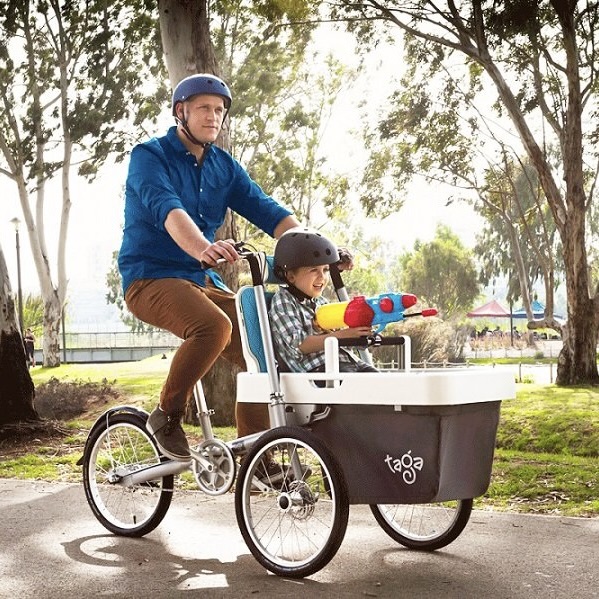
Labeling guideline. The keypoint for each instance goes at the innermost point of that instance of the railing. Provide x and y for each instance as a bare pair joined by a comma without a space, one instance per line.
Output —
112,347
120,339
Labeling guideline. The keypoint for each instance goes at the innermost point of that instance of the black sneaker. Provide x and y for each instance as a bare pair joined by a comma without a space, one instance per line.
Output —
169,435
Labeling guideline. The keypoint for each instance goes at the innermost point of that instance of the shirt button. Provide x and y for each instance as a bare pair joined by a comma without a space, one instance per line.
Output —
201,190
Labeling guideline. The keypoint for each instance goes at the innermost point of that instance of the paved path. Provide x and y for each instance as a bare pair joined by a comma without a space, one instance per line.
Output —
51,546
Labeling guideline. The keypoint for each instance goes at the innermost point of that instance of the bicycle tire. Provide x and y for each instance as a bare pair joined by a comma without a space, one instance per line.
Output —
122,444
424,527
294,527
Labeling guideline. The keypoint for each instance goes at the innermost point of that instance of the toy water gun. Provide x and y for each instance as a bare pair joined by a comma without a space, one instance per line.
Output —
363,312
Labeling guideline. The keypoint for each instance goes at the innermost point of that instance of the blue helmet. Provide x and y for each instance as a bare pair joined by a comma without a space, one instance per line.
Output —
201,84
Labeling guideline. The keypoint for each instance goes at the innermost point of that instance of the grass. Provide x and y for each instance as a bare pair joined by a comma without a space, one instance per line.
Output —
547,457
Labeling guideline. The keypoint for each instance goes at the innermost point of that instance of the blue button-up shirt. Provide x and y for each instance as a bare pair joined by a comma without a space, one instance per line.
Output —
164,175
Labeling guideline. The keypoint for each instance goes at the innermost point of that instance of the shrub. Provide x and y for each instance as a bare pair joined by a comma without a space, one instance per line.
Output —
59,400
433,341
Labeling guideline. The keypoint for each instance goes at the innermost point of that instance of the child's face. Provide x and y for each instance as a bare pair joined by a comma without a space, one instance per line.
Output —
310,279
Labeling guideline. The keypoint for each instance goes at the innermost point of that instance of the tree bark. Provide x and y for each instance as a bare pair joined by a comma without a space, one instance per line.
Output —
16,391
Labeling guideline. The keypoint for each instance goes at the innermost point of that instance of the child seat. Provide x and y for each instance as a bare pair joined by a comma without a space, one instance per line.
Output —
249,328
254,353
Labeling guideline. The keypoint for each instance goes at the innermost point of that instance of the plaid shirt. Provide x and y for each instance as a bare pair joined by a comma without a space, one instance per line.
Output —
291,321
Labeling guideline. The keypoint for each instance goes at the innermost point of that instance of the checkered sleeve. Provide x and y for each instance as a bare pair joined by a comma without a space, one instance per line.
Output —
291,322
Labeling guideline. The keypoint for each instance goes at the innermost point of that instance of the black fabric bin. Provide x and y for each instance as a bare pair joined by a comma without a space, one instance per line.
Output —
418,454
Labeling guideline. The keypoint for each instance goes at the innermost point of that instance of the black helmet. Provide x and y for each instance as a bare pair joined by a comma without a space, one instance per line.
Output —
301,246
201,84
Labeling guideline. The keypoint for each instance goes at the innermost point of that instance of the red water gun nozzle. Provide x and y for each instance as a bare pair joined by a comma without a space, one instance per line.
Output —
408,300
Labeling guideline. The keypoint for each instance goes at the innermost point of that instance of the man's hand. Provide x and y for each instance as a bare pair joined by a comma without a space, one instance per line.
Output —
219,251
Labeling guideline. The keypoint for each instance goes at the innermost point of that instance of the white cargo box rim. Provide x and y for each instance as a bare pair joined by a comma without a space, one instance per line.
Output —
424,387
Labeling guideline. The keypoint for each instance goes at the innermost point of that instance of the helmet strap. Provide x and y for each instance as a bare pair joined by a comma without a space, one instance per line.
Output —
190,136
281,274
298,293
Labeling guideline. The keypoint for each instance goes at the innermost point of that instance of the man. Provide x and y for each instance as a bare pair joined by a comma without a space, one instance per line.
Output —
178,189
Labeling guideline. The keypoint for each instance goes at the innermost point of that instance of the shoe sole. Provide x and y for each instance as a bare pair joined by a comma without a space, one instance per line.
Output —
165,452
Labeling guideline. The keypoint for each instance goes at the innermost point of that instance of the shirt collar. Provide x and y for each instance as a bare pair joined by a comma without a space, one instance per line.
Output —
175,142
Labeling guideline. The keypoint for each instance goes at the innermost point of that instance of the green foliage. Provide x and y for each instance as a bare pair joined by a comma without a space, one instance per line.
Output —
33,313
542,483
73,75
441,273
372,257
59,400
280,114
519,236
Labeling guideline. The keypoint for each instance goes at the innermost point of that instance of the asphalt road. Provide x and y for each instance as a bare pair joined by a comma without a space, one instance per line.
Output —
52,546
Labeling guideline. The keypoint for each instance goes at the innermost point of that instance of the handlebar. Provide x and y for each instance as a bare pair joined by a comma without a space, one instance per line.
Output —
239,248
371,341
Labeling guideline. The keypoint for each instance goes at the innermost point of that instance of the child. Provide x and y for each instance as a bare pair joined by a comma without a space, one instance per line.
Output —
302,259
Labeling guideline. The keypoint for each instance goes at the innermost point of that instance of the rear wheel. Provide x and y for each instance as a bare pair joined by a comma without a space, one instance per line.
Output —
292,514
118,447
424,526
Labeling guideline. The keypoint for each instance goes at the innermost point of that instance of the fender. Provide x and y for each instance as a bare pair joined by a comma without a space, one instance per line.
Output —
104,418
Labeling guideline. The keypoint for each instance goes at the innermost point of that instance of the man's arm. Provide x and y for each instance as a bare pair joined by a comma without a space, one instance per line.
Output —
284,225
190,239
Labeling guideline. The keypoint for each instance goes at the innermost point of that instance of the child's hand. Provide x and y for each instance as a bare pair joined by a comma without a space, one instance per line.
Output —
353,332
346,259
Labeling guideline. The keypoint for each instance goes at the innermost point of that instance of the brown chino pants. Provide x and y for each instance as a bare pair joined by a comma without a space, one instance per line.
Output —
205,318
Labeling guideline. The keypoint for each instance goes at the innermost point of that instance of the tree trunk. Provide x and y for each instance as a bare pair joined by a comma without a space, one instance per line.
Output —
17,390
577,362
188,49
52,320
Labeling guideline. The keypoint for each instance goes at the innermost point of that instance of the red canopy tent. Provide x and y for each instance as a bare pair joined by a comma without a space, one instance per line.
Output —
490,310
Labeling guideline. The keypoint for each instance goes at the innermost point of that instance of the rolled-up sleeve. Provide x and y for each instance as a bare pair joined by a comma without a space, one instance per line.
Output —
150,181
250,201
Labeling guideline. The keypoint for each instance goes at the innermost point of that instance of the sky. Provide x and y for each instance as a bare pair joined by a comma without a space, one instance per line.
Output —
97,207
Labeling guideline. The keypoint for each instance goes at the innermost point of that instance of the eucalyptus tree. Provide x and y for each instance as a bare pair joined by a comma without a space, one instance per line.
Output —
72,94
442,273
539,60
519,237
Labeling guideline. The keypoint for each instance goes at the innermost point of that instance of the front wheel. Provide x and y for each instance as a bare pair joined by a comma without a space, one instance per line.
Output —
119,446
291,502
424,526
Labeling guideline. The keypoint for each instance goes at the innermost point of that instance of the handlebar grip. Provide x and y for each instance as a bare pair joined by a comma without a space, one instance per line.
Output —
239,248
371,341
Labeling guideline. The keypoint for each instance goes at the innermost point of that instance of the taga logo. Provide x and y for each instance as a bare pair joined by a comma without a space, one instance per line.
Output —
407,465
